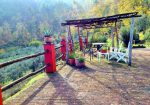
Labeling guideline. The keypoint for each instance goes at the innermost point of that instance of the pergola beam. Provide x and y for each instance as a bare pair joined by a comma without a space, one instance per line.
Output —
101,20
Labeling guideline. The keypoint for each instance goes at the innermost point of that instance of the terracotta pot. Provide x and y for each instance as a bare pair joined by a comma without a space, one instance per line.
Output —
82,64
103,51
72,62
77,62
63,37
48,39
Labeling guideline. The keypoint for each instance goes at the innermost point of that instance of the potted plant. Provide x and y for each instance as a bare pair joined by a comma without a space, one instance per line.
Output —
77,62
77,58
63,37
72,59
104,49
48,37
81,61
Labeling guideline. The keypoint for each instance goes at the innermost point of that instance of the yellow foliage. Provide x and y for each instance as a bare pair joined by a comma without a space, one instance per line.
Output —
2,51
141,36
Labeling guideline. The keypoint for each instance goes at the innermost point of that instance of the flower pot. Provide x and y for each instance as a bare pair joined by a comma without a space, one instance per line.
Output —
103,51
72,62
82,64
63,37
76,62
48,39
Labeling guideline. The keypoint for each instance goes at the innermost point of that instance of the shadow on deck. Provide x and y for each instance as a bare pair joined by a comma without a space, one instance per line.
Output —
97,84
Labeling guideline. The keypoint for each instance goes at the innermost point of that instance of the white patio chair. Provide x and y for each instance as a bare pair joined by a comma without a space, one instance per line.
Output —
113,53
123,56
99,55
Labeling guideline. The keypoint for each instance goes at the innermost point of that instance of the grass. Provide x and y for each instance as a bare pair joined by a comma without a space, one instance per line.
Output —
146,44
25,85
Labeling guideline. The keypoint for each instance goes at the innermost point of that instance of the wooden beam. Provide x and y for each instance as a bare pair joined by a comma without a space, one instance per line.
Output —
131,41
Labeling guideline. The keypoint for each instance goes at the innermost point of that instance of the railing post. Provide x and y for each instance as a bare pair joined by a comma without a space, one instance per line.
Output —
1,100
63,48
50,55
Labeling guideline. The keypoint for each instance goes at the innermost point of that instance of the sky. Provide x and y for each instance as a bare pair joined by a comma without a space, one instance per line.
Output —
82,2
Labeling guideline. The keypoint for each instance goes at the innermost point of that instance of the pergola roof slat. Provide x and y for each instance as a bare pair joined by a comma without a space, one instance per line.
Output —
102,20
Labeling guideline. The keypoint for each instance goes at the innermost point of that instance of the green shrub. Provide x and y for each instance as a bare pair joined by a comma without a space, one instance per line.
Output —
81,60
97,37
125,36
2,51
72,56
109,42
103,39
147,35
143,22
104,48
76,46
35,43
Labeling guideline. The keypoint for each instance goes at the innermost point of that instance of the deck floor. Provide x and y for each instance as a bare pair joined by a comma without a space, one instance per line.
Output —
100,83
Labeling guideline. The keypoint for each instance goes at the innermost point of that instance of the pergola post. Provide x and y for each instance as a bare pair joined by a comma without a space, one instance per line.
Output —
63,48
86,40
70,40
116,31
67,46
79,35
80,40
131,41
112,34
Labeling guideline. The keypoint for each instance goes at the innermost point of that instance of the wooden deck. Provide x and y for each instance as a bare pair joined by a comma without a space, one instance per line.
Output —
104,83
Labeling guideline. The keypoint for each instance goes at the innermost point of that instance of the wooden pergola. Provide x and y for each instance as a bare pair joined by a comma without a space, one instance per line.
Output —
103,22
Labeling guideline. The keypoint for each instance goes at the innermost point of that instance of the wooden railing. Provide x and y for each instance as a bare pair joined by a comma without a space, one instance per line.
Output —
20,59
28,75
23,58
21,79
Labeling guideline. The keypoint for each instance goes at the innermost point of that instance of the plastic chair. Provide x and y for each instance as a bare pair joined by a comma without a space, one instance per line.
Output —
123,56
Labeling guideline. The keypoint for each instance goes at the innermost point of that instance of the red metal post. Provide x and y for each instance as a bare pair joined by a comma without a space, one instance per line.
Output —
50,57
70,41
81,43
63,48
1,100
70,48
